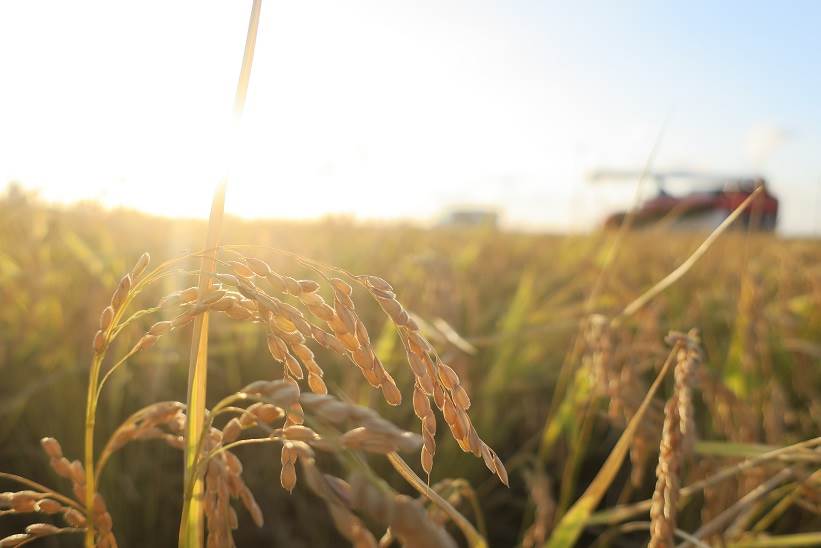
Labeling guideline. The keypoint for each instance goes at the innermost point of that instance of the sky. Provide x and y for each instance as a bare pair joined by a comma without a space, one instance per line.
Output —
390,109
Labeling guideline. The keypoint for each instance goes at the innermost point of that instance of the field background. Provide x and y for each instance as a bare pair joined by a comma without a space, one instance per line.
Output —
517,299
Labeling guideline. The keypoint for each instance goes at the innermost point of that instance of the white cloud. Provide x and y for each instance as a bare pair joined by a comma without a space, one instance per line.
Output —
763,141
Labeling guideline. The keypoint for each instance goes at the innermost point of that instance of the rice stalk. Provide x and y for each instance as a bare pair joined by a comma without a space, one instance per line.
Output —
191,518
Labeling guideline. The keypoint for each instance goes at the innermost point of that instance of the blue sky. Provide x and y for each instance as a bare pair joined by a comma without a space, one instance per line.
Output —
391,109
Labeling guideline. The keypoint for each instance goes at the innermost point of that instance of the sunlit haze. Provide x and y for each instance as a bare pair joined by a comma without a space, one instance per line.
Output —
399,110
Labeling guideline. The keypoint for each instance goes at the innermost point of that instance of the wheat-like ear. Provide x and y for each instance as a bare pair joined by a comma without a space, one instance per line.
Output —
666,494
677,441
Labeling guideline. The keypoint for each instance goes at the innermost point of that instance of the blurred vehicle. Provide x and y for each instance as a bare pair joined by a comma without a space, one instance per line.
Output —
469,217
695,201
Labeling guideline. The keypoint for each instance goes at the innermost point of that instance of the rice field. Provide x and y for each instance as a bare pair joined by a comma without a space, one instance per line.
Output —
595,419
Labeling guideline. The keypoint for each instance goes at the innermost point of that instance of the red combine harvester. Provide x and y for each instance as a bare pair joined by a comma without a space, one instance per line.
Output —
696,201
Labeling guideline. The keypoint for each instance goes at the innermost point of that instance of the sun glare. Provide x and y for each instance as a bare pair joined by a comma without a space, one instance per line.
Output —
374,111
333,125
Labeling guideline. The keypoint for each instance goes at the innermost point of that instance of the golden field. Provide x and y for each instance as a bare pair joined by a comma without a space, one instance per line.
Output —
512,314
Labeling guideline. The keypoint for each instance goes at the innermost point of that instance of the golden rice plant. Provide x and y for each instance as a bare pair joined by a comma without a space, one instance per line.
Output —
294,315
